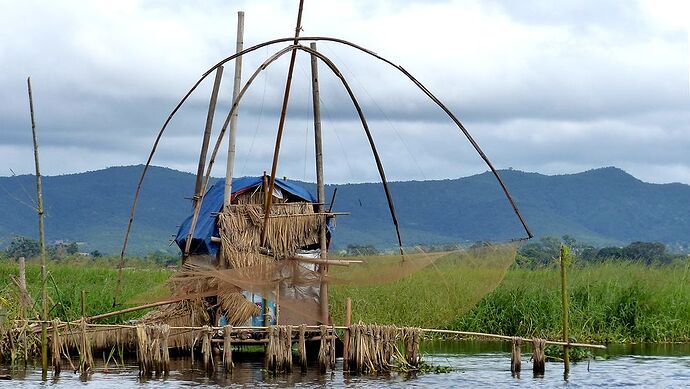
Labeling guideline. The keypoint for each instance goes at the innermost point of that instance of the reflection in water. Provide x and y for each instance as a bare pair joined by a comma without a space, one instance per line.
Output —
475,364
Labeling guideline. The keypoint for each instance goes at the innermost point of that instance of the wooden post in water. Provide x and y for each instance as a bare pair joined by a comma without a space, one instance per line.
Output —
346,340
41,242
321,195
23,303
565,261
232,136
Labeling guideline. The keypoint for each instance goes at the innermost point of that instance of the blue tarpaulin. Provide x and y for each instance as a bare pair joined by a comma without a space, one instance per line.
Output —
206,225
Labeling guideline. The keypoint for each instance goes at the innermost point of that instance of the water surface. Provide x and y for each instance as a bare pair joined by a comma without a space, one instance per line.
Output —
475,364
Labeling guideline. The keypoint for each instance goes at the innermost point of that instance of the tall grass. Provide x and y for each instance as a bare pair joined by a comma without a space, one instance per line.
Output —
66,281
611,301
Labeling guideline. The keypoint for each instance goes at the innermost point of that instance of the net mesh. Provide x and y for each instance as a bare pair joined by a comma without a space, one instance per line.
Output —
422,287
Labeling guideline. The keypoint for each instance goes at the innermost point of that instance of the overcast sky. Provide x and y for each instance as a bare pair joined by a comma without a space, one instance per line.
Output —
550,87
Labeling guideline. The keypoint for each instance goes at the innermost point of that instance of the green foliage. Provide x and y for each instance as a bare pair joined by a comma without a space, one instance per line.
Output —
21,246
353,249
546,251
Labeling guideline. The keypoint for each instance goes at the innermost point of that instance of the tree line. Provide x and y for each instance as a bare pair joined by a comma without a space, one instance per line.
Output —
545,251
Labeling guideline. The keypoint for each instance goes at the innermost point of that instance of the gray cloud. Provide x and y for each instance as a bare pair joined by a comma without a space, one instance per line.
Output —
542,88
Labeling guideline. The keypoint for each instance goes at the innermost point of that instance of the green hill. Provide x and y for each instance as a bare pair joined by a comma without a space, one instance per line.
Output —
601,206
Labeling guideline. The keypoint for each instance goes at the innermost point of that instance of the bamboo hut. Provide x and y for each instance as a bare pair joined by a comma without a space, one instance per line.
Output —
285,266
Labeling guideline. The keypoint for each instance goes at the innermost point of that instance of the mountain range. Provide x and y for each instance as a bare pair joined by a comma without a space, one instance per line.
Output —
605,206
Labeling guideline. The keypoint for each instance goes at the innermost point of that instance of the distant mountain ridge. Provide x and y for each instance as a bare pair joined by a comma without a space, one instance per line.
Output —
602,206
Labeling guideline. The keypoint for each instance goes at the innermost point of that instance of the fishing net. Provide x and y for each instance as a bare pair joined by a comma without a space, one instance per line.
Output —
418,288
281,279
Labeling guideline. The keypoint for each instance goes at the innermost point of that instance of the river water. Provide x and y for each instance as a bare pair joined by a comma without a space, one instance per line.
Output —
474,364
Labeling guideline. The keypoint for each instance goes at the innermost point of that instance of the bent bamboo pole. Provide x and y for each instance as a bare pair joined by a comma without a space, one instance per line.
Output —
299,39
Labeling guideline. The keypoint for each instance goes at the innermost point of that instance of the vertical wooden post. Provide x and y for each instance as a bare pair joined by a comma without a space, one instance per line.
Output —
264,302
41,242
565,261
83,303
278,305
23,303
321,196
346,341
264,310
232,136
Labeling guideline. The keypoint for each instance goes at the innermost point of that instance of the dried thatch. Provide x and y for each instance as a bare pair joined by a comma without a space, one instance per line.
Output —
190,313
290,227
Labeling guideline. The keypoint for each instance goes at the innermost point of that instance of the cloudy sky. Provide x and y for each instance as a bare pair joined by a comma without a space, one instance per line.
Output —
550,87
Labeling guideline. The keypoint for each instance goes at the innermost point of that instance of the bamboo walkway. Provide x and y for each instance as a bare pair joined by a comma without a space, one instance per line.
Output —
368,349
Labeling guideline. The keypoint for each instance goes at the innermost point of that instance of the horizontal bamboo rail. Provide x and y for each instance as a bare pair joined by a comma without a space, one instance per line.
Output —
506,337
316,327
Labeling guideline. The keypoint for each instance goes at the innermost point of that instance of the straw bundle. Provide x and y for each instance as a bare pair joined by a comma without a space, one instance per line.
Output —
326,349
235,307
206,347
373,348
227,348
152,349
143,357
84,349
279,349
189,313
538,358
56,347
302,348
412,337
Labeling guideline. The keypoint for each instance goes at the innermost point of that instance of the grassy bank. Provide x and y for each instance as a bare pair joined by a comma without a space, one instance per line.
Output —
611,301
69,279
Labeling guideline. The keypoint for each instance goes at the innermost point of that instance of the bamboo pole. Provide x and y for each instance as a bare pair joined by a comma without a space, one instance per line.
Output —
281,124
565,261
151,305
41,241
200,187
232,137
23,302
207,135
83,302
510,338
321,196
